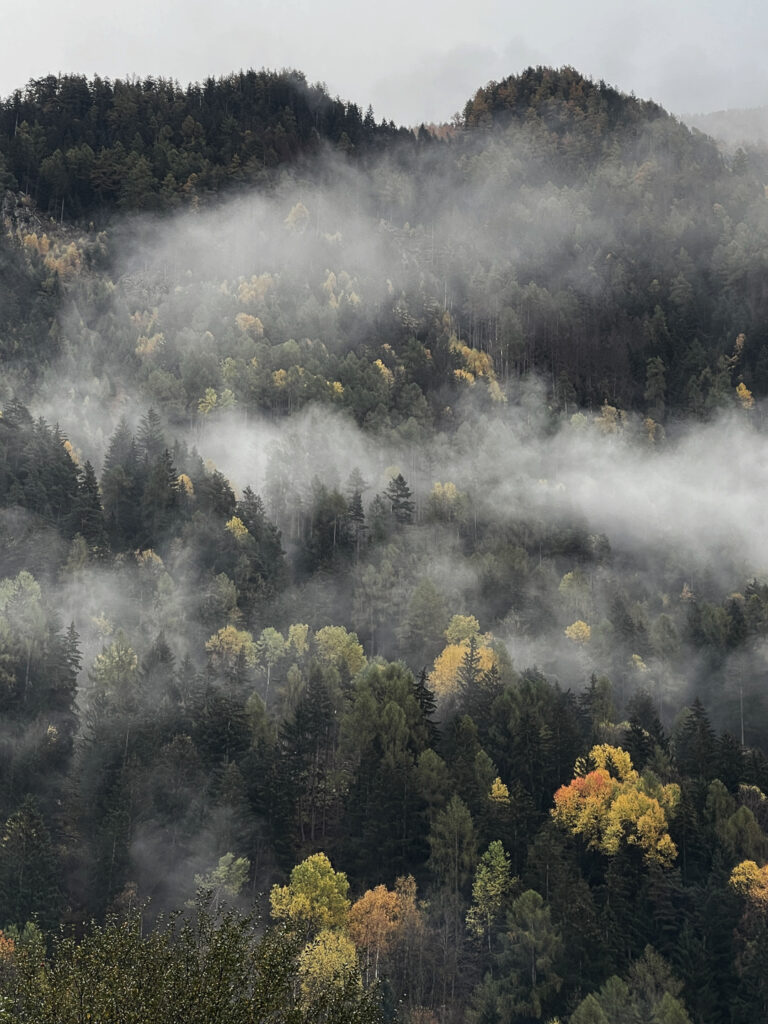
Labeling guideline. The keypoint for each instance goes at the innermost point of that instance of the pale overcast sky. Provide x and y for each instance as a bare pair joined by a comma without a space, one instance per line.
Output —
414,60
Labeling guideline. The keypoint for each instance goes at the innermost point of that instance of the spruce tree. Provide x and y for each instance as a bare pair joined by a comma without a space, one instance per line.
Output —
398,494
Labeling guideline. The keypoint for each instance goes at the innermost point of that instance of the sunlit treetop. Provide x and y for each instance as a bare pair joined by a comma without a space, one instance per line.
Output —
315,897
610,805
751,881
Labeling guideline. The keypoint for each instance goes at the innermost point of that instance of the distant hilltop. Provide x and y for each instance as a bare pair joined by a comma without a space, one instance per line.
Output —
83,148
733,128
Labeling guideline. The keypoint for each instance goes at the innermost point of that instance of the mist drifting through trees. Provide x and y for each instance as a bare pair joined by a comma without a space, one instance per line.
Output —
383,595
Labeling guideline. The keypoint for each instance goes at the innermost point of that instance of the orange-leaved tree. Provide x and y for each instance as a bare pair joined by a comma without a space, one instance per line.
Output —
373,921
609,804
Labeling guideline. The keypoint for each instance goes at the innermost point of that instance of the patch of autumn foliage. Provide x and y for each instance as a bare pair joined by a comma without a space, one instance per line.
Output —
608,803
751,881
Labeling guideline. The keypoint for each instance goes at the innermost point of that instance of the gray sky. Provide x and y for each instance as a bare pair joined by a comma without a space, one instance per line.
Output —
414,60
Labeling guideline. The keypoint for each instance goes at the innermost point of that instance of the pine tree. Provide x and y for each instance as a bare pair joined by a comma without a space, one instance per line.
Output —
469,670
88,514
695,744
398,494
356,519
427,706
527,978
121,487
453,845
150,441
29,885
159,501
61,673
157,670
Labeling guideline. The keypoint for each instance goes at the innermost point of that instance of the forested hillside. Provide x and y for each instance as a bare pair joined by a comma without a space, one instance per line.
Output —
734,128
383,587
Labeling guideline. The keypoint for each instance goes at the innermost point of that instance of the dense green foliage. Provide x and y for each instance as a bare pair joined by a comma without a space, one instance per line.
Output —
207,970
407,668
83,147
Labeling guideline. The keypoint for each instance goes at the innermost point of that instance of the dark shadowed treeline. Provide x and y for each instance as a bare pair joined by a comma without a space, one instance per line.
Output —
84,148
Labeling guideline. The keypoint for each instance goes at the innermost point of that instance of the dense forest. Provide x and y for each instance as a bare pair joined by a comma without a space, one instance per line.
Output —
383,587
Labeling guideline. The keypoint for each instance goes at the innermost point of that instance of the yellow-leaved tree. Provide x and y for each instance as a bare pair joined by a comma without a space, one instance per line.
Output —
579,632
327,967
609,804
228,647
744,396
314,899
446,503
751,881
237,528
298,639
338,648
314,907
467,654
298,218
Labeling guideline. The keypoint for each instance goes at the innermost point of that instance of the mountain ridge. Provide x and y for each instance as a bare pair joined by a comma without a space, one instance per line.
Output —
86,148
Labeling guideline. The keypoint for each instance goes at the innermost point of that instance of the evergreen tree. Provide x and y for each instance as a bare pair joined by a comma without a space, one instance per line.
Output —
88,514
159,500
427,706
469,670
150,442
356,522
695,744
121,488
398,494
29,884
526,979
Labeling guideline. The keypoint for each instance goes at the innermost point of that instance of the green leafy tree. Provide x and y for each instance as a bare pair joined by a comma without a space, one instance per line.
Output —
492,886
224,882
340,649
424,623
270,648
115,671
453,845
314,899
650,992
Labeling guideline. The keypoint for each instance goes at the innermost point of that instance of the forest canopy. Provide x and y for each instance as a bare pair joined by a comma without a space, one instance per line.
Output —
383,597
